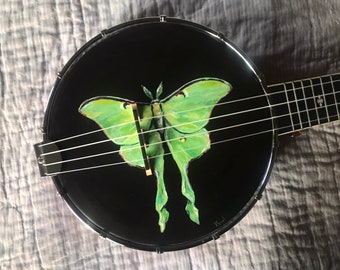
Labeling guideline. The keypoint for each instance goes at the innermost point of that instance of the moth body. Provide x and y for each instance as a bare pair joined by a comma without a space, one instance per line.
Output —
158,115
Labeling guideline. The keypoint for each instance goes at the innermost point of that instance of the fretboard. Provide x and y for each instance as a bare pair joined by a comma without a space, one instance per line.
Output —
305,103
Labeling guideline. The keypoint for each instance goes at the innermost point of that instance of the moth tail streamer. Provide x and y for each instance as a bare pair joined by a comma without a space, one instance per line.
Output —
188,193
192,212
161,200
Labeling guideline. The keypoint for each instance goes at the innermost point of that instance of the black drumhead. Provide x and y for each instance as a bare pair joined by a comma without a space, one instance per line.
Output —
118,201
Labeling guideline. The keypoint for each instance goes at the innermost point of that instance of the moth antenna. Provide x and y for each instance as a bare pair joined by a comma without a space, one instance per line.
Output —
159,90
147,92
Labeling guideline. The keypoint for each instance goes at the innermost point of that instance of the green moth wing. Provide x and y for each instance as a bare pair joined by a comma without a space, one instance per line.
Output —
115,117
187,112
189,108
132,154
184,148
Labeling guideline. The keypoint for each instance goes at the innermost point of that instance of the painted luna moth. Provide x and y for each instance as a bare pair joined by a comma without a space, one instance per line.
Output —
178,120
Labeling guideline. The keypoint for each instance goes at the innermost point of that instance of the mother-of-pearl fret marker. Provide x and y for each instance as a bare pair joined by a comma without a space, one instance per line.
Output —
320,101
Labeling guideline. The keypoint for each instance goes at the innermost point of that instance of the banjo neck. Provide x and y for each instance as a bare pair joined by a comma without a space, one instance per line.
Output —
306,103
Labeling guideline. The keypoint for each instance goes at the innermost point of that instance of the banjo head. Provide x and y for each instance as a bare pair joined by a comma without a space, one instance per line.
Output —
116,199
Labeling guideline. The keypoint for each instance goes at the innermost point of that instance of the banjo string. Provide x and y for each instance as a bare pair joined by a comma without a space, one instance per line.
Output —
169,153
150,118
176,126
153,130
156,143
202,107
193,134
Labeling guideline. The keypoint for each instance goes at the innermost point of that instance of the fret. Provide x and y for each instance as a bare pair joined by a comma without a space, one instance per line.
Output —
293,106
325,104
301,104
311,103
280,107
305,103
336,101
330,98
319,97
336,88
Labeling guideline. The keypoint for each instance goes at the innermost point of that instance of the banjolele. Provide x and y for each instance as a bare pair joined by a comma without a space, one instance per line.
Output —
160,134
